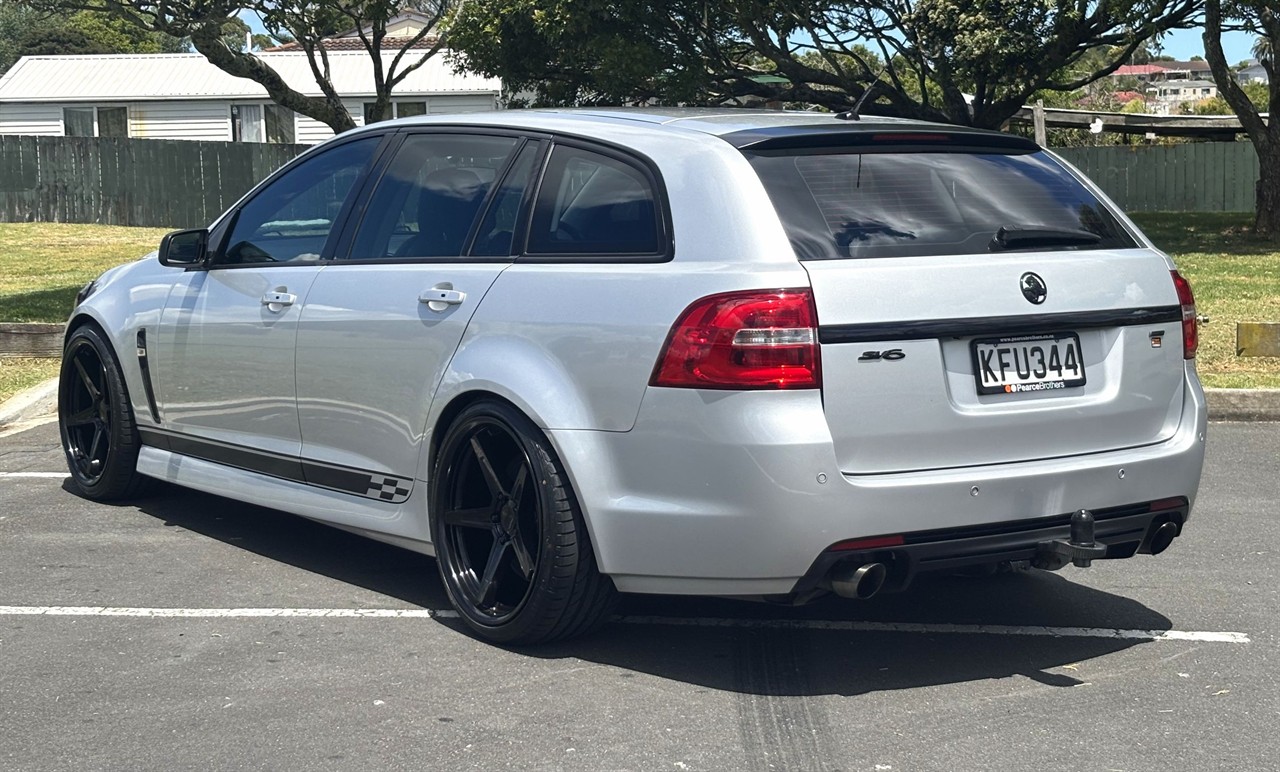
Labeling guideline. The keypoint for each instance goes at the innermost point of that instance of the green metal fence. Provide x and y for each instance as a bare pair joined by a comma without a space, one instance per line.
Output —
172,184
1191,177
159,183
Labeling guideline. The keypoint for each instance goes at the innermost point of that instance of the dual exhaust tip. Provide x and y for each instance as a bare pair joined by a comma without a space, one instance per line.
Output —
862,582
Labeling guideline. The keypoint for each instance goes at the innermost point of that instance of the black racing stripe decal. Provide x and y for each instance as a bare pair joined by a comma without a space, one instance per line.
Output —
145,367
248,459
373,485
996,325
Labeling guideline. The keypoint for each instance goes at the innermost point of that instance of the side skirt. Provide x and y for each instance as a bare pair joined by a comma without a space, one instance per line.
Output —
357,482
404,525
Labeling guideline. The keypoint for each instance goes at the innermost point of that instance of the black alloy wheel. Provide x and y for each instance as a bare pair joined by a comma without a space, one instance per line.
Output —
95,420
510,542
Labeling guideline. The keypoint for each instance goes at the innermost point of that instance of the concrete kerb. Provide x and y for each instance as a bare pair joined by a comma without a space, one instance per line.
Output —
31,406
40,403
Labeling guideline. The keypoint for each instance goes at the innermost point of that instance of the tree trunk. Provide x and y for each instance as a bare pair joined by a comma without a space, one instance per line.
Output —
1266,220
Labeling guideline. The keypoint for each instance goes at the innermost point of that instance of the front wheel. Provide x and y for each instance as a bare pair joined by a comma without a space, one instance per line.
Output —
95,420
510,540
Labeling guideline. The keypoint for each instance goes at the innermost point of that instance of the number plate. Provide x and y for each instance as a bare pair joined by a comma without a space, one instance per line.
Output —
1028,363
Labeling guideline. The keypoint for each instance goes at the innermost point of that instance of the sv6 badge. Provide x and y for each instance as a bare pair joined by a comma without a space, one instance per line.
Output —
888,355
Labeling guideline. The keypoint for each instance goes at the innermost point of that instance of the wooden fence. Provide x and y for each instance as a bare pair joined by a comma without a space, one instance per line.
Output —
172,184
152,182
1191,177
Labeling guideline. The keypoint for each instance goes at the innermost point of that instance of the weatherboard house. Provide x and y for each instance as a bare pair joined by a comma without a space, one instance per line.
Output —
183,96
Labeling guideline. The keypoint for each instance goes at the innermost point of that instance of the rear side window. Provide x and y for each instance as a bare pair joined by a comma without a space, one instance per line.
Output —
593,204
430,196
839,204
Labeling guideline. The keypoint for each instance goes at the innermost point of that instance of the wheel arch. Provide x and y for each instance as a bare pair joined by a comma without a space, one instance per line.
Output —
444,418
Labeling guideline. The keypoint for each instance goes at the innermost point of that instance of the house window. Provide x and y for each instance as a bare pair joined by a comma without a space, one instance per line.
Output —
95,121
262,123
398,110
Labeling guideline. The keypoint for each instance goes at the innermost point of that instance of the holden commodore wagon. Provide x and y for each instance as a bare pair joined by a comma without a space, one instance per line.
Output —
575,353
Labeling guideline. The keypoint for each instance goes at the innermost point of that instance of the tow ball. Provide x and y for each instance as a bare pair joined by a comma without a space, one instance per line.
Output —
1079,549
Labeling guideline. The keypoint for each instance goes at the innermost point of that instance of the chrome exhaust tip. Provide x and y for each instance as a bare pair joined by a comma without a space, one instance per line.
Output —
861,583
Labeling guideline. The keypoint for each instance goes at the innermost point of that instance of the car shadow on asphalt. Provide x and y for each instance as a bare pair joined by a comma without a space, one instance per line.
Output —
739,646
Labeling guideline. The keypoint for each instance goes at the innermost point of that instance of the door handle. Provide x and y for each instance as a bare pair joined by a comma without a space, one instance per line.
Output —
277,300
440,298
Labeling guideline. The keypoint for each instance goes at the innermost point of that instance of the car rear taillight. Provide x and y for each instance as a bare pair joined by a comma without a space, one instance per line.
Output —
763,339
1190,334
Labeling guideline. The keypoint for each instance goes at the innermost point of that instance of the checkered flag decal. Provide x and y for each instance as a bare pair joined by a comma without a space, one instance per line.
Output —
391,489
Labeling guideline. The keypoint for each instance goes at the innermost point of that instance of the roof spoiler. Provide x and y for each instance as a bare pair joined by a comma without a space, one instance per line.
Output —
870,135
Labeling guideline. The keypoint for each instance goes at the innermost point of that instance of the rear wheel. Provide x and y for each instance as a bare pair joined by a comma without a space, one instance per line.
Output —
510,540
96,422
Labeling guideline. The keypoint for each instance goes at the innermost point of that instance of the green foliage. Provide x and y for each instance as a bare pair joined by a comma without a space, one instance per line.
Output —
28,32
962,61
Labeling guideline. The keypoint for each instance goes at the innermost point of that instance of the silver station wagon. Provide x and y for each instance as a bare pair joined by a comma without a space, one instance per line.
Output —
716,352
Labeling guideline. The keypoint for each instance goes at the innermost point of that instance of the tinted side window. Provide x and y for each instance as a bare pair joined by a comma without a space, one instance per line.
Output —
292,217
430,196
838,204
496,232
593,204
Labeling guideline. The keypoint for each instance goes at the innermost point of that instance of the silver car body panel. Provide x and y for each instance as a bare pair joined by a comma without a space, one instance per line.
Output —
683,490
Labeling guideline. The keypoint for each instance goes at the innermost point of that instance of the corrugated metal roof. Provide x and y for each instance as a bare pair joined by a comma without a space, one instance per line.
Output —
135,77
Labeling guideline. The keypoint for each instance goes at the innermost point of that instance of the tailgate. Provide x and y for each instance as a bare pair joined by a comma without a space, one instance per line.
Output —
933,363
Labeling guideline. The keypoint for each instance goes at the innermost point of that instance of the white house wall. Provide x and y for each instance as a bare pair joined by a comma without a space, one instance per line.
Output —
38,119
205,120
461,103
309,131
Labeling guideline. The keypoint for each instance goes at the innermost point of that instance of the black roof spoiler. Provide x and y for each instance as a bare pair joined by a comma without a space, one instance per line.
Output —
844,135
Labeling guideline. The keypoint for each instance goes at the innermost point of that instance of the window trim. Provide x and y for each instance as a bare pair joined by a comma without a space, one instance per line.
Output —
96,107
222,228
346,240
262,122
639,162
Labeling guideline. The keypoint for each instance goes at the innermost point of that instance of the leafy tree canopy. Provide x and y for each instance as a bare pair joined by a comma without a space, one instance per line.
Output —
961,61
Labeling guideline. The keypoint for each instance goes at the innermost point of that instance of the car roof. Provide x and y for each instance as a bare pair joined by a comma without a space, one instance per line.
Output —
740,127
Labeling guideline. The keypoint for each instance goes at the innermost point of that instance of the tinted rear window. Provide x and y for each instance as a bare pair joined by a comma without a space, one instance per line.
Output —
838,204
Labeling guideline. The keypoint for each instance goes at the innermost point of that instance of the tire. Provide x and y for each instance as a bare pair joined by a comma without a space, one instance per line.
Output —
510,539
95,420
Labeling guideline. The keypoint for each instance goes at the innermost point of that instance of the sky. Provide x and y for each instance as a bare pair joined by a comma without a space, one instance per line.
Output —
1185,43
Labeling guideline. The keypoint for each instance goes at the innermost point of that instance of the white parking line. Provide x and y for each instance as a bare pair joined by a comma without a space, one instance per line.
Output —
946,629
50,475
779,624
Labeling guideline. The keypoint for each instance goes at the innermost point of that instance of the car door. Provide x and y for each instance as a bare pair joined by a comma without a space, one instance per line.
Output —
383,319
223,357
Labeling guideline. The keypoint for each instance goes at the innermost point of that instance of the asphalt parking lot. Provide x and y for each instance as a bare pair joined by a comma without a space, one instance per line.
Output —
194,632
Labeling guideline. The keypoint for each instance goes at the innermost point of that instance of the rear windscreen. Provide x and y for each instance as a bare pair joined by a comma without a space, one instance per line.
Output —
838,204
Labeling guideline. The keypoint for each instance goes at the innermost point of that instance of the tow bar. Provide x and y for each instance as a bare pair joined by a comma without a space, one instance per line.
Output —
1079,549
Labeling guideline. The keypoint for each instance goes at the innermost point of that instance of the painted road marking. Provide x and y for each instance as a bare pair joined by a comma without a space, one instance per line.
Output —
49,475
779,624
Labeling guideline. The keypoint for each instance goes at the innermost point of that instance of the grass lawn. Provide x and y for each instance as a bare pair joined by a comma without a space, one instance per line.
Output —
1236,278
43,265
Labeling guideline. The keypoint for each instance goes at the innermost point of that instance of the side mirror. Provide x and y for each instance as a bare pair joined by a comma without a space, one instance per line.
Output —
184,249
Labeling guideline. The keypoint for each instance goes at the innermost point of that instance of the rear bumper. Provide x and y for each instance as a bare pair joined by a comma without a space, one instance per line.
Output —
1123,531
729,493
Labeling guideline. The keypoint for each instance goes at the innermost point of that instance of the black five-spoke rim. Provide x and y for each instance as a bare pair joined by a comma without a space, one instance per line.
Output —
87,411
491,520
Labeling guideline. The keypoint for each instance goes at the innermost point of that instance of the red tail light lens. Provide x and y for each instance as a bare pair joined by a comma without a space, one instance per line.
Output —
1190,331
743,340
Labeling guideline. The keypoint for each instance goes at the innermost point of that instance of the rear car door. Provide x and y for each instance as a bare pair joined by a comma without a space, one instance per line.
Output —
382,321
223,356
977,303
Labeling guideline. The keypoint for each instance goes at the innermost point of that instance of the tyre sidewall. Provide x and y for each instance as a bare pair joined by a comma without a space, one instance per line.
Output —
119,469
538,612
